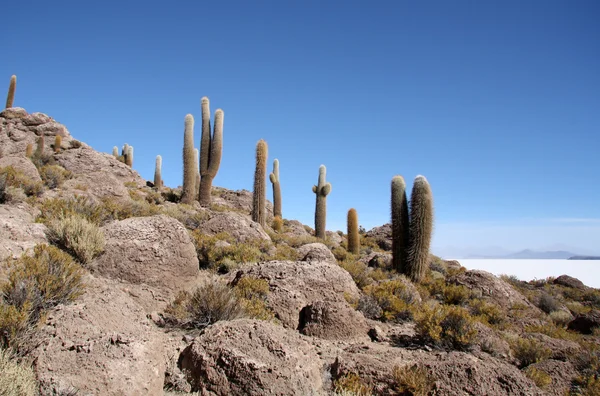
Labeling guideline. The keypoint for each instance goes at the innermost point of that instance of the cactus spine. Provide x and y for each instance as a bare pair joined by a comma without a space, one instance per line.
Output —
57,143
259,198
115,152
210,151
158,172
421,229
274,177
322,189
400,224
10,98
189,168
353,237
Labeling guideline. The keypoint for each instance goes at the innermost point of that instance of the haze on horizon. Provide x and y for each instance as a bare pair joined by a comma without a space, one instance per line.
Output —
496,103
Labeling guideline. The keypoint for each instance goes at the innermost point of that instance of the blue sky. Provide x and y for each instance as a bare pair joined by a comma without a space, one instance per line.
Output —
497,103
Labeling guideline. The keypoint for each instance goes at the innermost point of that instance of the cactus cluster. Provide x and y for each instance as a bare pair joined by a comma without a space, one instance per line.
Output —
411,230
259,197
322,189
211,145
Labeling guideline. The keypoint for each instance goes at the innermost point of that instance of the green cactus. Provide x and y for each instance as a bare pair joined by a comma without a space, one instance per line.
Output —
197,162
274,177
158,172
400,224
421,229
259,197
322,189
189,167
115,151
353,237
10,98
210,151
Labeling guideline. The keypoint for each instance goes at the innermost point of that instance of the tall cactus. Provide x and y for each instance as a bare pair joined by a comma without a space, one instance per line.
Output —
421,229
274,177
353,237
115,151
259,197
39,151
322,189
400,224
57,143
158,172
197,162
10,98
129,157
29,150
210,151
189,168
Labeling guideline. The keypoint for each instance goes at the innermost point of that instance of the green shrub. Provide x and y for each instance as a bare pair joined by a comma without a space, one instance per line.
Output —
16,379
541,378
561,318
77,205
54,176
395,298
253,294
443,325
35,284
77,235
412,380
10,177
456,294
358,271
528,351
487,312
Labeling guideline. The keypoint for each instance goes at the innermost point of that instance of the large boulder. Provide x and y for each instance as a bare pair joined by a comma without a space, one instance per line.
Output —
250,357
585,323
18,231
296,284
382,235
156,251
569,281
333,320
23,165
316,252
240,227
102,344
240,201
561,373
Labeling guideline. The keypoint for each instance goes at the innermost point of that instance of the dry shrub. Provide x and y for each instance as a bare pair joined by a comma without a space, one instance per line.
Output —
394,297
487,312
541,378
552,330
358,271
35,284
456,294
369,307
561,318
16,378
277,224
83,239
10,177
54,176
547,303
119,210
253,293
186,215
352,384
412,380
447,326
528,351
77,205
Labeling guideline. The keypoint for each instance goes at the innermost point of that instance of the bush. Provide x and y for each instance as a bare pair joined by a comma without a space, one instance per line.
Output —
547,303
561,318
448,326
358,271
42,159
77,205
369,307
412,380
394,297
10,177
253,293
218,252
78,236
36,284
541,378
15,378
351,383
456,294
528,351
54,175
488,313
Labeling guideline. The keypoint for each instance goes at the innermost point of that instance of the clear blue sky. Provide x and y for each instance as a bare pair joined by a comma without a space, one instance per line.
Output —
497,103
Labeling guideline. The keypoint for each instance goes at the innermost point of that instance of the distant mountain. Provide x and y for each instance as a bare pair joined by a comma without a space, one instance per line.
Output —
529,254
585,258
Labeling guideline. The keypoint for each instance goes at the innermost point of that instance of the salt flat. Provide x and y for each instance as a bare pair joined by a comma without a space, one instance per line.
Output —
588,271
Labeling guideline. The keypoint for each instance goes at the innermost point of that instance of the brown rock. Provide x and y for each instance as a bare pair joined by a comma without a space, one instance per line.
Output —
382,235
562,373
333,321
585,323
155,250
377,260
240,200
569,281
316,252
13,112
249,357
294,285
295,228
103,344
22,164
237,225
561,349
18,231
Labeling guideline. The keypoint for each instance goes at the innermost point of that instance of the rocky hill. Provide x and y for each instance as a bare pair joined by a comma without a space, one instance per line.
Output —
111,287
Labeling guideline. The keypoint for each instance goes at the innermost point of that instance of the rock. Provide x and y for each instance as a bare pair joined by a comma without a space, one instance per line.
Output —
489,341
382,235
155,251
333,321
35,119
13,112
569,281
240,201
334,238
585,323
102,344
96,186
295,228
377,334
316,252
562,373
18,231
296,284
250,357
240,227
23,165
377,260
561,349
